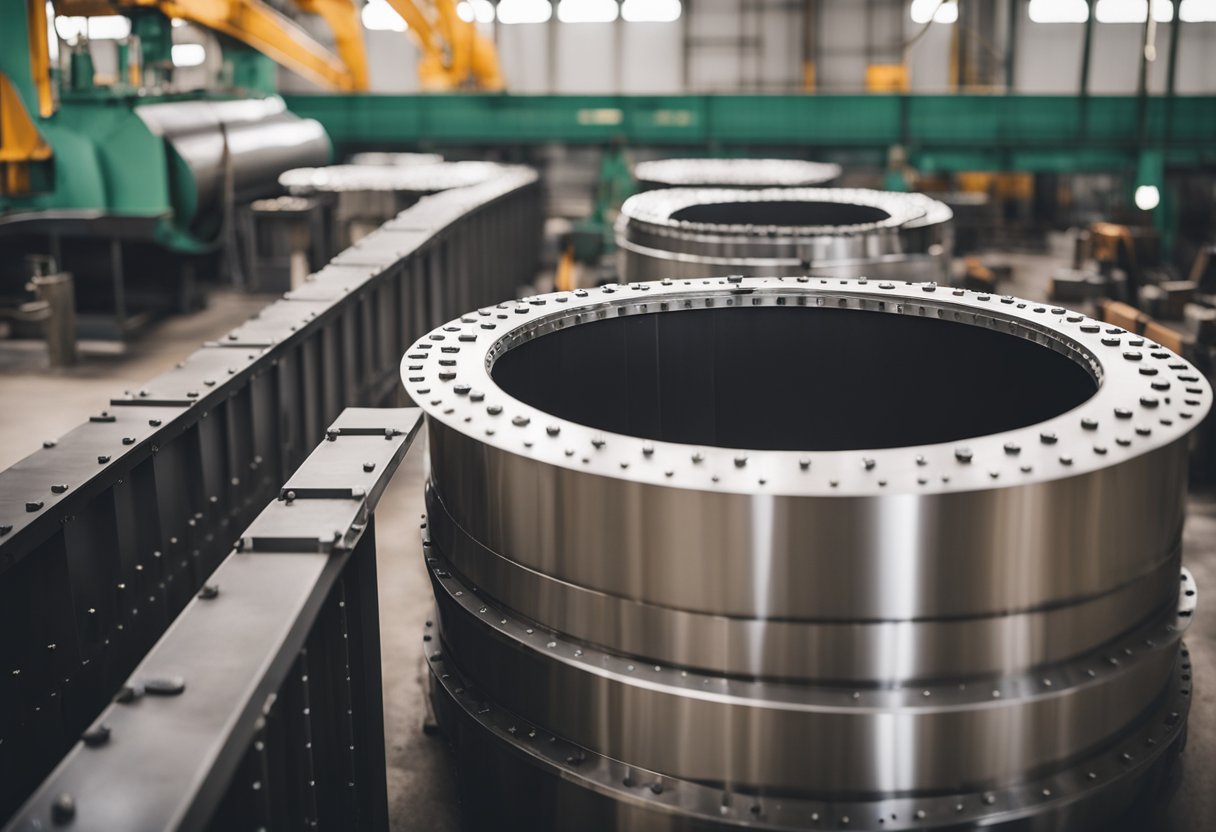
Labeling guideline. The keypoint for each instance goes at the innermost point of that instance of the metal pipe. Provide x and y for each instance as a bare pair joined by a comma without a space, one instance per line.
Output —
1086,51
1011,43
59,293
1171,75
691,572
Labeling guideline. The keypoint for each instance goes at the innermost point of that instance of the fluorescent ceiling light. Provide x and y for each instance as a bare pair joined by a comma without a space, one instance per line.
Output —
1198,11
379,16
651,11
524,11
188,54
1132,11
1059,11
922,10
481,11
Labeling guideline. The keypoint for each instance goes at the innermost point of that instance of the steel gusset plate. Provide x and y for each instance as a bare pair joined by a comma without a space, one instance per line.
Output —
825,542
841,232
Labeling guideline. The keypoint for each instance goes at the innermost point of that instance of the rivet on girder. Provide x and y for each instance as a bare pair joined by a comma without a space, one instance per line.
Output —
164,685
63,809
97,735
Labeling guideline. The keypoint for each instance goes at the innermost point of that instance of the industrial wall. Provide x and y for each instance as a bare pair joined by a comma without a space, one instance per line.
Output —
759,45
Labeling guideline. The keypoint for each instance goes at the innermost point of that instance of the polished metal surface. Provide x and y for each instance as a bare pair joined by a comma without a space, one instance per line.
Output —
827,542
838,232
243,144
733,173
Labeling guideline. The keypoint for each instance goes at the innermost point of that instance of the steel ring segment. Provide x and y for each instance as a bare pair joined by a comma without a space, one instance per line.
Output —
773,736
1072,506
554,782
416,179
687,232
864,652
733,173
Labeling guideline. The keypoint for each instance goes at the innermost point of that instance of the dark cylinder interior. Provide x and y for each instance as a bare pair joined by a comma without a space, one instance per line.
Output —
791,213
792,378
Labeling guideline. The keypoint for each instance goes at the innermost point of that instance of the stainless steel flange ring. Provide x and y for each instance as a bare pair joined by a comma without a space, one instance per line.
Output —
734,173
841,232
843,547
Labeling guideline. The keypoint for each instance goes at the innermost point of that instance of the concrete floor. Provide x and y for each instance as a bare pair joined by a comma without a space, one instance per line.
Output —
37,404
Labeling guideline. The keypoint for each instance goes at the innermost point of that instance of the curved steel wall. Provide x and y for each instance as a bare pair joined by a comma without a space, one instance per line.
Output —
839,232
644,632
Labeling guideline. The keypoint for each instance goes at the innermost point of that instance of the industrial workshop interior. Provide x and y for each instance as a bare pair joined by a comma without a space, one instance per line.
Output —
607,415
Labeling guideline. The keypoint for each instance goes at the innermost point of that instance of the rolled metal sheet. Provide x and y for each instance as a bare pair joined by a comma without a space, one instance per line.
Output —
830,547
734,173
252,140
841,232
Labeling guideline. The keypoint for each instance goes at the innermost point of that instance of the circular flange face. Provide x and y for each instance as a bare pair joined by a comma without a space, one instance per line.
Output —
735,173
708,213
1147,398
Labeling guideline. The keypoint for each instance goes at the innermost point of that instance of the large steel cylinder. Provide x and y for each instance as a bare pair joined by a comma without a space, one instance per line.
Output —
841,232
733,173
805,553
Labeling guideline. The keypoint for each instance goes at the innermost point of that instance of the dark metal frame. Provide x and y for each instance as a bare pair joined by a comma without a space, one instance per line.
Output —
261,706
107,533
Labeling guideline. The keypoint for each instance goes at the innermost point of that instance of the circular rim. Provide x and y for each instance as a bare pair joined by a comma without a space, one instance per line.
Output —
735,173
657,208
1100,697
840,651
1148,397
423,178
1101,783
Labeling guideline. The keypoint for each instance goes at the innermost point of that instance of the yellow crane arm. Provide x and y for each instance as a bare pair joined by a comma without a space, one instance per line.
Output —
254,24
342,17
454,53
273,34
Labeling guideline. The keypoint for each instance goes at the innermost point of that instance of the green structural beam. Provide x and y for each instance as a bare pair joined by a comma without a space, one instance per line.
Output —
940,132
